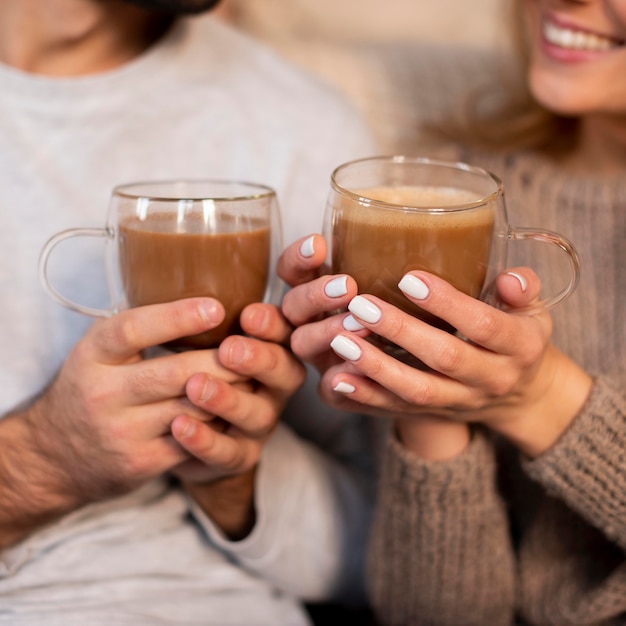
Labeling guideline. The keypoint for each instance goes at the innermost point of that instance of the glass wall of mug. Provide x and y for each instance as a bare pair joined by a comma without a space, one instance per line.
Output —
168,240
387,216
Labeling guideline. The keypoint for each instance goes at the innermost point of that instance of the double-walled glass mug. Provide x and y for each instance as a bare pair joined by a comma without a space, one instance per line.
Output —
387,216
170,240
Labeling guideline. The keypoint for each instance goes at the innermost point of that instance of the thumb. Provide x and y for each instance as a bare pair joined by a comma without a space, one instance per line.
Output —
518,287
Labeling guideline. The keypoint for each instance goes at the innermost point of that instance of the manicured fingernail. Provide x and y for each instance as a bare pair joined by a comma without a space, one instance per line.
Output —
342,387
349,323
306,247
346,348
365,309
414,287
337,287
521,279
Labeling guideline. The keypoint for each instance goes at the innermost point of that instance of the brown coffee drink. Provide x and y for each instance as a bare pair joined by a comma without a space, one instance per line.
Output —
378,246
159,264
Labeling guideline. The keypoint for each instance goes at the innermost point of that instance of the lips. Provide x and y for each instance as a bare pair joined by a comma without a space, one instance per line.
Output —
570,38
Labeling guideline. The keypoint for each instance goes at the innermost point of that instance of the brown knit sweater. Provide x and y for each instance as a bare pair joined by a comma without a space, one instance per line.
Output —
489,538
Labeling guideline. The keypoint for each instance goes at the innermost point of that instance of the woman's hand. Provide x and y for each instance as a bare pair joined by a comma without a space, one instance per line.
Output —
507,375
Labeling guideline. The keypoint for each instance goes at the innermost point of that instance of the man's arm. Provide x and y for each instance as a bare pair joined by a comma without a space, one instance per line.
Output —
102,427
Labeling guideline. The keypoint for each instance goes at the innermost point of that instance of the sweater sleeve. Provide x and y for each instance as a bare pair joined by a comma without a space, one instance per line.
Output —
440,551
585,468
572,560
312,520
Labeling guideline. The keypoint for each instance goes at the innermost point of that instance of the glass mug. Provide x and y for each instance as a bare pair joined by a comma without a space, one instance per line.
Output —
386,216
168,240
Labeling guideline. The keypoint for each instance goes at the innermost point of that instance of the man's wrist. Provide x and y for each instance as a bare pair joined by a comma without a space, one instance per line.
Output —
229,502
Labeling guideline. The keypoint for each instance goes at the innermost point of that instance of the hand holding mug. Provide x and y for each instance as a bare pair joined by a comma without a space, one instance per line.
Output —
387,216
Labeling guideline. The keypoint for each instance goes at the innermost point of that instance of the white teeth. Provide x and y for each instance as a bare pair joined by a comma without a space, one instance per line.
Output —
576,39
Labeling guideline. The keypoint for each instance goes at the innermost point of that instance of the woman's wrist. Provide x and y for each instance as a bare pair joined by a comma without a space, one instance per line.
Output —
539,425
433,438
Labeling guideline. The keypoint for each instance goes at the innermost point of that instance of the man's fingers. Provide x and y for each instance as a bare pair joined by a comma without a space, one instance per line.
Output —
265,321
268,363
224,453
300,262
165,376
251,413
127,333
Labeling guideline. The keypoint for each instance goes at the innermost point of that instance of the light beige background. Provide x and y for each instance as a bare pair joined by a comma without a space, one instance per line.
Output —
464,22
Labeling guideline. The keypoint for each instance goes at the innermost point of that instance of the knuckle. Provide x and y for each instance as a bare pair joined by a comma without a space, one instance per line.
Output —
298,342
534,348
420,395
147,379
396,329
266,420
486,326
450,356
504,383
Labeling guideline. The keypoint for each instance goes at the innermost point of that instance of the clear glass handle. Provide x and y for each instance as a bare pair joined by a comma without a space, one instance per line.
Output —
554,239
43,268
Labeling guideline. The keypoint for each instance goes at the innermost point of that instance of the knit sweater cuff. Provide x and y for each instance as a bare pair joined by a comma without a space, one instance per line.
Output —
469,476
585,468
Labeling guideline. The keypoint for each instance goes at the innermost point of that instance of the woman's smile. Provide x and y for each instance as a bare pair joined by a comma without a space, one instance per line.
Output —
566,36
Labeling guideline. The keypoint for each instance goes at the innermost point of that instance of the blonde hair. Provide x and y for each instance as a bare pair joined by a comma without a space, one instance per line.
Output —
516,120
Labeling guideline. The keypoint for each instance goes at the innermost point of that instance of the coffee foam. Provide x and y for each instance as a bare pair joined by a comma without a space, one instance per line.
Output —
434,206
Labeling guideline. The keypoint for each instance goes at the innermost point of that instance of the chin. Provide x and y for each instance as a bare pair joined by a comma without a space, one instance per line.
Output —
558,96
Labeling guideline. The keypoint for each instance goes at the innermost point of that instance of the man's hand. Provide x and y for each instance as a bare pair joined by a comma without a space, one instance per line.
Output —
221,474
103,426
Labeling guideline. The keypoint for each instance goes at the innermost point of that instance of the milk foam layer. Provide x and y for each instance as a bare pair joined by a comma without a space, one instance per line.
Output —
430,205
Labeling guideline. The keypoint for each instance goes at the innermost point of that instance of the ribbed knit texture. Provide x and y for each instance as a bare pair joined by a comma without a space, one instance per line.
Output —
475,541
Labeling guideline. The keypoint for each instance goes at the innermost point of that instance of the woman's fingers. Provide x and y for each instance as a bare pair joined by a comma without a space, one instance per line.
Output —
318,297
491,328
413,386
518,287
311,341
300,262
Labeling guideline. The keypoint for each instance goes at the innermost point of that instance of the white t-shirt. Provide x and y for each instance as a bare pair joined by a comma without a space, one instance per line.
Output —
206,102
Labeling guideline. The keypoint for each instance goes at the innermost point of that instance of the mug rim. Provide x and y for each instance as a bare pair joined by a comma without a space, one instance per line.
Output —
400,159
262,191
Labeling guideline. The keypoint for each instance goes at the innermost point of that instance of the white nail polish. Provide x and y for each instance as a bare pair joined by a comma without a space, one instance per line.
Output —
521,279
337,287
413,286
365,309
349,323
342,387
306,247
346,348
